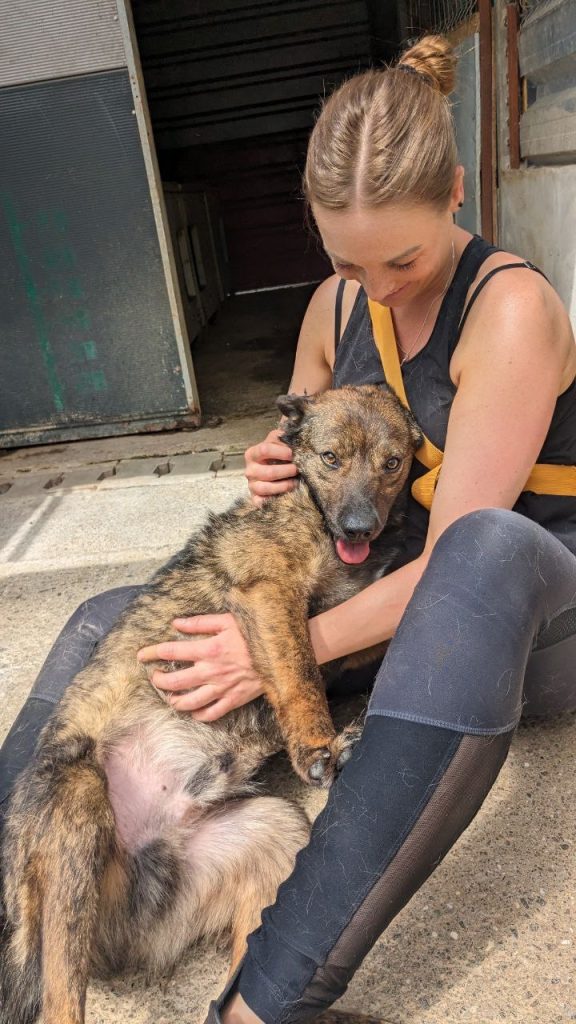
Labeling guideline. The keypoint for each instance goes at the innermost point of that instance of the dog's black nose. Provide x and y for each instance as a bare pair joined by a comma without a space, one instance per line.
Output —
357,527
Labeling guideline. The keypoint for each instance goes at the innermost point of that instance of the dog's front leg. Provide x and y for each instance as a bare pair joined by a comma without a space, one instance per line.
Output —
275,627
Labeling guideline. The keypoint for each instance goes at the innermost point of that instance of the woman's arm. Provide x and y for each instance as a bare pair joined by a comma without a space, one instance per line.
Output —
516,357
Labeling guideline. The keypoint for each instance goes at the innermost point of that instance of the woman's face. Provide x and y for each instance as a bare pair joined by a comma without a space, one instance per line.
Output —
398,253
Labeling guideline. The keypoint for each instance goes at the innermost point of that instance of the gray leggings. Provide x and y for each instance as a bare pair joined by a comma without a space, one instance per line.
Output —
490,630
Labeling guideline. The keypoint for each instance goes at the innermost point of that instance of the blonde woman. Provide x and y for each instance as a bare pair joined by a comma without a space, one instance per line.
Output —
482,606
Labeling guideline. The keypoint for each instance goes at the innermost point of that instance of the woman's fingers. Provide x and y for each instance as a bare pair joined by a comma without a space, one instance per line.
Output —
196,699
195,624
190,650
180,650
269,468
267,471
184,679
264,489
270,448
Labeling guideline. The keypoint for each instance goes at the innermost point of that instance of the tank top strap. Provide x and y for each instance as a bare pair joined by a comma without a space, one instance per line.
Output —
525,264
446,329
338,312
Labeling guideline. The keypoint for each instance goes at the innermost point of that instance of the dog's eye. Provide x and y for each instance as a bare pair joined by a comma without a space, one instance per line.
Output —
329,459
391,465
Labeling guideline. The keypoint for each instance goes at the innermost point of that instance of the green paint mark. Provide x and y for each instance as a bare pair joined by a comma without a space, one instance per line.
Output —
60,259
93,380
83,321
75,289
54,219
34,305
90,349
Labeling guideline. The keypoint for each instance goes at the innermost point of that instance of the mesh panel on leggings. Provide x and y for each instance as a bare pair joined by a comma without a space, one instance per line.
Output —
459,795
563,626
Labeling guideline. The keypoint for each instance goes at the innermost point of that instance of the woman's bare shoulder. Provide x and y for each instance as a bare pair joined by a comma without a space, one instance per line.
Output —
514,297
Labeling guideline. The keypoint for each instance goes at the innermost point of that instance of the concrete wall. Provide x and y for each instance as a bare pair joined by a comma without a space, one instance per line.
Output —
537,217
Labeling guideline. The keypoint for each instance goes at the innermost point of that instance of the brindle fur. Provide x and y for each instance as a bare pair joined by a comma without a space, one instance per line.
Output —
95,883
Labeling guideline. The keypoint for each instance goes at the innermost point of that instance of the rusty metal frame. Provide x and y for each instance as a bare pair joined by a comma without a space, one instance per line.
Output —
487,147
513,85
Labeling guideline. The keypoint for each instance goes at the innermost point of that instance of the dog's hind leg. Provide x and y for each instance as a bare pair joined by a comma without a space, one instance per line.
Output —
231,865
62,839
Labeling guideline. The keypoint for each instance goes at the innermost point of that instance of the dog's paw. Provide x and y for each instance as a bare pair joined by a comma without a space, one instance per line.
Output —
315,765
344,744
318,766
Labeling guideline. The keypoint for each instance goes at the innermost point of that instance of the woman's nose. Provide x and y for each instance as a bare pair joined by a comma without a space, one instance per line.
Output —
378,286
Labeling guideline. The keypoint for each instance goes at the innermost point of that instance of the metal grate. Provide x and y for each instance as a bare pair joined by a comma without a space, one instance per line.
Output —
528,9
438,16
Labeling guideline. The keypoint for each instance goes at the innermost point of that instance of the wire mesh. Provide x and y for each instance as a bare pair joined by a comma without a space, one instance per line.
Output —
530,9
439,16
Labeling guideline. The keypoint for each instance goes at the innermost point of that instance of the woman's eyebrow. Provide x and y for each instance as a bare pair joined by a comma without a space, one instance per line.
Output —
407,252
402,256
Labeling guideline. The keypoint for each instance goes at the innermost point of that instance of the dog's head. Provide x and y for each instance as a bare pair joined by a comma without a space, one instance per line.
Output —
353,447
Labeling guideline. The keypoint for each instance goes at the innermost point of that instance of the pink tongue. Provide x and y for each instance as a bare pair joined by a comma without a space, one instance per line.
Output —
352,554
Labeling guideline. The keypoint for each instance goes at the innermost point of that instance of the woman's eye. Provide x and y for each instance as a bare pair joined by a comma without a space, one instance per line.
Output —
343,268
404,266
392,464
329,459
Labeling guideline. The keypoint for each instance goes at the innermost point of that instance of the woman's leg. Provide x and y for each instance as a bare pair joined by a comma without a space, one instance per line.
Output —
70,653
440,722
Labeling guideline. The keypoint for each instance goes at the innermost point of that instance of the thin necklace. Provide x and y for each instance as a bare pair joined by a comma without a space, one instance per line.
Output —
435,299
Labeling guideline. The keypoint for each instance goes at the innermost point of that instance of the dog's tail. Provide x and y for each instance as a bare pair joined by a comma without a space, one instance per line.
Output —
20,983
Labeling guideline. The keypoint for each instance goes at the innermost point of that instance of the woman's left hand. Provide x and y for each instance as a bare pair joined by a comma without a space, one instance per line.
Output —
221,677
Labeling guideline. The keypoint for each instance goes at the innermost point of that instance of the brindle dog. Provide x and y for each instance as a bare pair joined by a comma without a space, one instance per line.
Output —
133,833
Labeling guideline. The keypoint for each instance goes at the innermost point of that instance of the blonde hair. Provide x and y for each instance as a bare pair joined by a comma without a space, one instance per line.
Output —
387,135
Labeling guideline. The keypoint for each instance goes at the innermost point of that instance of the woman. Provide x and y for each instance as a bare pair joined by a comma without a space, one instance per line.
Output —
482,606
489,367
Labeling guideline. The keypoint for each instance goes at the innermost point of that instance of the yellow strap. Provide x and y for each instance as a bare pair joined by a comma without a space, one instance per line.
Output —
385,339
544,478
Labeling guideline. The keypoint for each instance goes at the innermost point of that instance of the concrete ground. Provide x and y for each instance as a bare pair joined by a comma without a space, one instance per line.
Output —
489,938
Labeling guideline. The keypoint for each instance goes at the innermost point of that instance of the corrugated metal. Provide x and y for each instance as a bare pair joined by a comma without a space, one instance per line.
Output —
88,341
232,69
547,52
44,39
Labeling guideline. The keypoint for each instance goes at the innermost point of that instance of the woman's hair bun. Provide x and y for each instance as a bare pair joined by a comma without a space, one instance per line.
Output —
434,57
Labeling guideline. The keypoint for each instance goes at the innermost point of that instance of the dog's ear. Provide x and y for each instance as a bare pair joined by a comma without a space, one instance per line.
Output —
415,432
294,407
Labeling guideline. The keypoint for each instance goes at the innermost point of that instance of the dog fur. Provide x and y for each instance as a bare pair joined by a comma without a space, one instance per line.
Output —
134,832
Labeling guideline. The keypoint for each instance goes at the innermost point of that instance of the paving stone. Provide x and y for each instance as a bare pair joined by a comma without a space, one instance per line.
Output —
91,477
138,473
24,485
197,464
233,463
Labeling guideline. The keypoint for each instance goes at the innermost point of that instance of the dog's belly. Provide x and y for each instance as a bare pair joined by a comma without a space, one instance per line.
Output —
161,781
146,800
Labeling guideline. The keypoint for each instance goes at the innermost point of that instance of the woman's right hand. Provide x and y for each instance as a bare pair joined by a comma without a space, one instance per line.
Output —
269,468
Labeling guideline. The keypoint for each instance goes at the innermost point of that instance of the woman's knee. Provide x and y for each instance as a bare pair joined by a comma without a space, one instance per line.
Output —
496,558
490,533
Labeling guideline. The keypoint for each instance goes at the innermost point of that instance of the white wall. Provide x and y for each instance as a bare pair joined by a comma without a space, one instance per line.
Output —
537,219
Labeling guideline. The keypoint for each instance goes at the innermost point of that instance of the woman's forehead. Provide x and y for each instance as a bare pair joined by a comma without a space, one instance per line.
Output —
387,234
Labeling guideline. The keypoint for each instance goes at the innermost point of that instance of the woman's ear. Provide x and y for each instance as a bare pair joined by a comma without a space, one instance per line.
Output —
457,194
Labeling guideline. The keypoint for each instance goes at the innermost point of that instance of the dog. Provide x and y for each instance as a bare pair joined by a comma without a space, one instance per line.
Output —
133,832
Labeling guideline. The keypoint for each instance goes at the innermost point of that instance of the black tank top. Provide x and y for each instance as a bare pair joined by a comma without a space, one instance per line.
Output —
430,393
